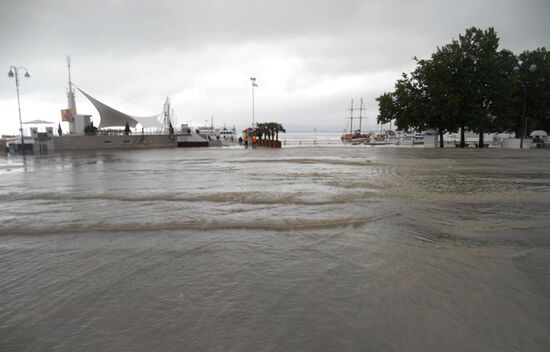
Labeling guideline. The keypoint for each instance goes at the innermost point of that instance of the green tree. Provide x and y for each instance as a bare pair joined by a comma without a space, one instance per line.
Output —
270,130
467,84
484,80
278,129
437,101
261,130
406,104
537,90
387,107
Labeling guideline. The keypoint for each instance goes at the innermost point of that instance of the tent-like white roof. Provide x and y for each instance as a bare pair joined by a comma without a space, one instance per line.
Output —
539,133
38,122
111,117
150,122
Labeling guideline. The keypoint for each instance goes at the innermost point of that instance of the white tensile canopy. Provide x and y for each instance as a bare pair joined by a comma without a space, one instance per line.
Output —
539,133
38,122
111,117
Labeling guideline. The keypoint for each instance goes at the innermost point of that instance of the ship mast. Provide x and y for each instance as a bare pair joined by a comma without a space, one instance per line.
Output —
351,118
360,114
70,93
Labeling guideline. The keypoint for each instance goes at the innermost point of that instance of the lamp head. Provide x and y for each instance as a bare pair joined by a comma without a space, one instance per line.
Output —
27,75
533,68
10,74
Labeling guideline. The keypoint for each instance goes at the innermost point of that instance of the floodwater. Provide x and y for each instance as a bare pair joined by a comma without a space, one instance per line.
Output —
299,249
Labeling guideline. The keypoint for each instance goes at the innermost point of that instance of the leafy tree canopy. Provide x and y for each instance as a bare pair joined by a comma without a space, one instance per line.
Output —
469,84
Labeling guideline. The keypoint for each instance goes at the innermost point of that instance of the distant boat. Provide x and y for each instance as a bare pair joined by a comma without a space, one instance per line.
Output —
357,136
218,136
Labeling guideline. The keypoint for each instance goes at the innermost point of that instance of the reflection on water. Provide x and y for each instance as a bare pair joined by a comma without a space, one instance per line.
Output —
273,250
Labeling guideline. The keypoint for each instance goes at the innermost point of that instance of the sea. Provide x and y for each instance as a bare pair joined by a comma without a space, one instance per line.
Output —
312,247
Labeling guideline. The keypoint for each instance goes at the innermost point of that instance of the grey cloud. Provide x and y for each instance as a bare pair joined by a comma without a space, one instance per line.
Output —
143,50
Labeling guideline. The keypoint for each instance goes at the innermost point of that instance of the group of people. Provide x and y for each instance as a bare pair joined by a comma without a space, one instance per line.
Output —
253,141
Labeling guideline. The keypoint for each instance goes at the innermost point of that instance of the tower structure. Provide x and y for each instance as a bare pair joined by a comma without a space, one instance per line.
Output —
71,103
77,122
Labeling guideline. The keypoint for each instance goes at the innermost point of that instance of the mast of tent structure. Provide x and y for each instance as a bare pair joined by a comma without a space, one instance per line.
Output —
71,102
70,93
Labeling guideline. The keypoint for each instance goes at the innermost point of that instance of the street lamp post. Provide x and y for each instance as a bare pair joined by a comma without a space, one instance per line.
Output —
532,68
253,80
13,72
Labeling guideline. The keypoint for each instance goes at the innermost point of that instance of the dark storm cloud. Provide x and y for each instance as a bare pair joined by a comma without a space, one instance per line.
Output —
126,27
204,51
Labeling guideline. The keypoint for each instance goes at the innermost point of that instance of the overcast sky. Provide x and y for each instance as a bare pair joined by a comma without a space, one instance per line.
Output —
310,58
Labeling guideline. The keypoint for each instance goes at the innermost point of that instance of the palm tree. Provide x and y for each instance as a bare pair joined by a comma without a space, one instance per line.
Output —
260,129
279,128
271,130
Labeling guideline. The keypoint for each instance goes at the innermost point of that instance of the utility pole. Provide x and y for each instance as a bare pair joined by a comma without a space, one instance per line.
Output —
253,80
14,73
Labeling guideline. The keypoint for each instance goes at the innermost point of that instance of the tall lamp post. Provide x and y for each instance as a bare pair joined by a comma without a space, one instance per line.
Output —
517,68
253,80
13,72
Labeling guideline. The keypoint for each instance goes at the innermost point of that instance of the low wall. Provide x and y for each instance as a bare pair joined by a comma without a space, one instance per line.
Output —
514,143
113,142
268,144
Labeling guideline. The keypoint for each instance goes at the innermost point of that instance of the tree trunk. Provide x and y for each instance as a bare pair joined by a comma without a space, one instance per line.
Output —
462,137
441,142
480,142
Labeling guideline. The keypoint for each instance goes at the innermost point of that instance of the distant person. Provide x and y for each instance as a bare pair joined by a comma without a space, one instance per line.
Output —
240,140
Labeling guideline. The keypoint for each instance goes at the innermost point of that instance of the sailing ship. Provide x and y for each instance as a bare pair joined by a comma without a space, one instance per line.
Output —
357,136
